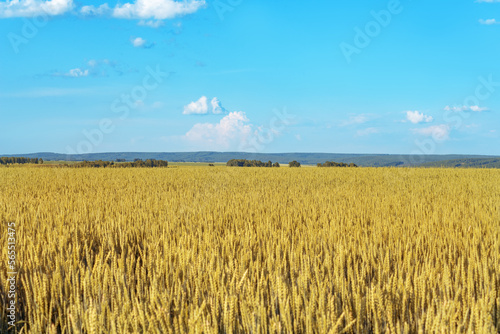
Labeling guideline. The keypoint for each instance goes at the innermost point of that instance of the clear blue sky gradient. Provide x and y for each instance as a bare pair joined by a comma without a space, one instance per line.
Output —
61,83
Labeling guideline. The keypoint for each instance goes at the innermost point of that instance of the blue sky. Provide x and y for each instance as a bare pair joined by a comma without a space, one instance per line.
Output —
257,76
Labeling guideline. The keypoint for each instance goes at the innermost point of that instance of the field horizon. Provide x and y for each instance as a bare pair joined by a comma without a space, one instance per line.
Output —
311,158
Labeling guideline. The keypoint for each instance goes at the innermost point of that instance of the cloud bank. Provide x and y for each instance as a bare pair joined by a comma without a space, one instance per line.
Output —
150,12
30,8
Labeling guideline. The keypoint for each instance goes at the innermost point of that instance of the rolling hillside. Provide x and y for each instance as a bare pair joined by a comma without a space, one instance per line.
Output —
465,163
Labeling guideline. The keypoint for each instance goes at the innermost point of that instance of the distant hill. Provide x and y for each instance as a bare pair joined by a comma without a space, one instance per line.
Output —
364,160
465,163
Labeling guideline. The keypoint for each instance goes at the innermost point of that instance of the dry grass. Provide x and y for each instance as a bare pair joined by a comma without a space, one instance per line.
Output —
213,250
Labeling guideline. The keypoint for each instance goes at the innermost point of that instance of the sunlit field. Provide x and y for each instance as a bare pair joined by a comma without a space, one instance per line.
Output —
253,250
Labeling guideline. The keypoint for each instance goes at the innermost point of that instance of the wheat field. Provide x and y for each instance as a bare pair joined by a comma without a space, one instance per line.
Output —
253,250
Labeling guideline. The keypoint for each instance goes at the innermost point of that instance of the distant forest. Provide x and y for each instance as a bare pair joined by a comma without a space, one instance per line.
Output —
250,163
20,160
134,164
336,164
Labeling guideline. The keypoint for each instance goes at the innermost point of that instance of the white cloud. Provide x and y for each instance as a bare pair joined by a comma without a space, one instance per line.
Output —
417,117
156,9
30,8
489,21
366,132
77,72
477,108
232,130
437,132
217,107
465,108
138,42
150,12
199,107
103,9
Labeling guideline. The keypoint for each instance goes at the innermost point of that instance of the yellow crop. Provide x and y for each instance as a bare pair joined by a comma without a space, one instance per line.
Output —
249,250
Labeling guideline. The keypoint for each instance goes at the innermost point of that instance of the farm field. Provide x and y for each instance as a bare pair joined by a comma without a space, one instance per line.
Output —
253,250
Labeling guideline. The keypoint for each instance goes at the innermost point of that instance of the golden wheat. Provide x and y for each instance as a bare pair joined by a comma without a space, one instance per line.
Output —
213,250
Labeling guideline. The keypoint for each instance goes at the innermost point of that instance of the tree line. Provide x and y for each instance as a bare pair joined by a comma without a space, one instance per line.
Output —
132,164
336,164
20,160
250,163
258,163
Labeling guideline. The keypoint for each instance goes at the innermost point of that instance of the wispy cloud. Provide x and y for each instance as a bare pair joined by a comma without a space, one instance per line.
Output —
43,92
489,21
367,132
151,23
73,73
417,117
102,10
478,109
465,108
437,132
357,119
91,68
144,107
